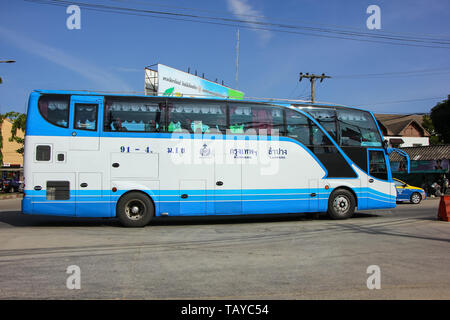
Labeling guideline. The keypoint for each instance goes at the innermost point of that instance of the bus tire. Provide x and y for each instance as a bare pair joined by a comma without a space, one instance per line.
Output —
341,204
415,198
135,209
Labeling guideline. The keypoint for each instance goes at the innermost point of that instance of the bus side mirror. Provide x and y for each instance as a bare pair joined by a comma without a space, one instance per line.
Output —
385,144
403,154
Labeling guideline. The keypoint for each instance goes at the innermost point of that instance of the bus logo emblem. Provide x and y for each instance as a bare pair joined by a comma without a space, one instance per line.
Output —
205,151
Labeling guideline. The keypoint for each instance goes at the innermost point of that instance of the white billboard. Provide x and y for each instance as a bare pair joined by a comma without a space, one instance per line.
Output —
167,81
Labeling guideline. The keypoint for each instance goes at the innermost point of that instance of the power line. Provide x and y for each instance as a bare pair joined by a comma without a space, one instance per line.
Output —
268,18
252,22
293,90
401,101
423,72
245,24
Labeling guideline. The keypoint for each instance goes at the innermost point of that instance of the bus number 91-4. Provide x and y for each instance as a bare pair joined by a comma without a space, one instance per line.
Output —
127,149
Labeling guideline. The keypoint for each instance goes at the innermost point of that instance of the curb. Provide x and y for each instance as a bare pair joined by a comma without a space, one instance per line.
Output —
11,196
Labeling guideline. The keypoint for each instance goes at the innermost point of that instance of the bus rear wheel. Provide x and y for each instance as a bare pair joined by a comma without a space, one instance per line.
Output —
135,210
341,204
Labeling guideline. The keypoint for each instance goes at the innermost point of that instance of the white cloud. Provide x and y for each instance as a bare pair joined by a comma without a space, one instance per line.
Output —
126,69
100,77
243,10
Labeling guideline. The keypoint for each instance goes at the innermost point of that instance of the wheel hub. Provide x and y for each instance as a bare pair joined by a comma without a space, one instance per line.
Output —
135,209
341,204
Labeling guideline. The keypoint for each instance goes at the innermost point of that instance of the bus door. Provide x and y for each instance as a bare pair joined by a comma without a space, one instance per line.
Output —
227,182
86,111
377,185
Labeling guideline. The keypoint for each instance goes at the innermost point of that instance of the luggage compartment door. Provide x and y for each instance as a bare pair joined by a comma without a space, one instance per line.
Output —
54,193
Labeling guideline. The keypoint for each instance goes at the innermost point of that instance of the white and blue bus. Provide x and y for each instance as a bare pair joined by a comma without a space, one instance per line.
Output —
136,157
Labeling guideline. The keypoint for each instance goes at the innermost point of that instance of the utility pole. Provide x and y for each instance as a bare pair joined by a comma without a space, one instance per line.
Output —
312,78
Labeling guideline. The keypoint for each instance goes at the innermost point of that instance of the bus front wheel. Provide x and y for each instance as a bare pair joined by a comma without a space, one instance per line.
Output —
341,204
135,210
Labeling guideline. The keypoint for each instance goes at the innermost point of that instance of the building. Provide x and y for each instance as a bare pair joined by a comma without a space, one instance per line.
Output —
428,164
12,160
403,130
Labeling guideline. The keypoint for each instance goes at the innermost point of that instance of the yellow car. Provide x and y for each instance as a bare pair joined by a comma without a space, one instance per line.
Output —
405,192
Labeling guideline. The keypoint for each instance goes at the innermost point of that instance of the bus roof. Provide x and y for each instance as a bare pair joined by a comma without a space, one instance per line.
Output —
280,102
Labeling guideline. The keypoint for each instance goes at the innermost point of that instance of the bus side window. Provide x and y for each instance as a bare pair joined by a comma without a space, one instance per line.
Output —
55,109
319,138
140,115
256,120
304,130
278,122
85,116
326,118
377,164
241,119
199,118
297,127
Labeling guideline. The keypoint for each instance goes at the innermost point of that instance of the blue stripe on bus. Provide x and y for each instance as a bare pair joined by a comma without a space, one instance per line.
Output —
176,192
101,203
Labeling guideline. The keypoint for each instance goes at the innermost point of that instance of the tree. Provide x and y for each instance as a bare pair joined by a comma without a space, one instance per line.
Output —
427,123
18,123
2,117
440,115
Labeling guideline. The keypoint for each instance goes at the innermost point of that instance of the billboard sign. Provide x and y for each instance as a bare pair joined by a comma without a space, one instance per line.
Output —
168,81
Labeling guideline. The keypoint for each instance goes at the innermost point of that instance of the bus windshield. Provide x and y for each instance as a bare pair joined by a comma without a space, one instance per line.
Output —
350,128
358,128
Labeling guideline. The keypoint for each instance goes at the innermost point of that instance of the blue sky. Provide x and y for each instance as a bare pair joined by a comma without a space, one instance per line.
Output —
110,50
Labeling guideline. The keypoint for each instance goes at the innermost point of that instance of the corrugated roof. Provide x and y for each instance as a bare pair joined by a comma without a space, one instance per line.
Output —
435,152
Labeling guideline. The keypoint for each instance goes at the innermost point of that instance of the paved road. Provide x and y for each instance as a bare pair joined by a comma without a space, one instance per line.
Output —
293,257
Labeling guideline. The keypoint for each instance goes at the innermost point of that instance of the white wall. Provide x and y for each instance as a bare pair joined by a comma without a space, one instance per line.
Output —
410,141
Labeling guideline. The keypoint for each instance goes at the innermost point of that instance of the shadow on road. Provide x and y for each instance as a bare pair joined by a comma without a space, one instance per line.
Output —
16,219
382,230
